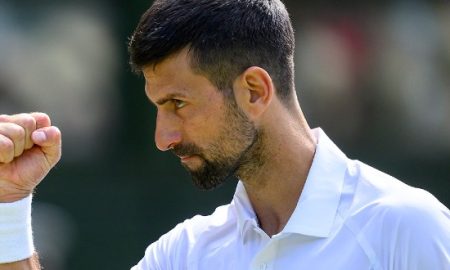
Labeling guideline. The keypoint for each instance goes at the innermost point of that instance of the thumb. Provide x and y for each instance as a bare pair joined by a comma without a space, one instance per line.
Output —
49,139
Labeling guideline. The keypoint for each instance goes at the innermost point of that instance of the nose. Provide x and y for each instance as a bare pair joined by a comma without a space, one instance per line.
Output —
167,132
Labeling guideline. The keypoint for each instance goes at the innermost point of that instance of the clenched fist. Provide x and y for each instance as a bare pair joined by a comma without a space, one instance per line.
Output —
29,147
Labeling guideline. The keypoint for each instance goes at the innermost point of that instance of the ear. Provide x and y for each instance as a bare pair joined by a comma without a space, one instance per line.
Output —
254,91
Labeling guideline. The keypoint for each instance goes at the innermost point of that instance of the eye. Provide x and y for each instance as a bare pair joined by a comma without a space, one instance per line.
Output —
178,103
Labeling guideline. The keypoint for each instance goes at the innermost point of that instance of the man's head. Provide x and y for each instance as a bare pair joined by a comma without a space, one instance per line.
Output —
210,133
195,56
225,37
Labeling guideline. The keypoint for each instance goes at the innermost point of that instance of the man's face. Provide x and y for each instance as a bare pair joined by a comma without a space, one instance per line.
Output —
209,133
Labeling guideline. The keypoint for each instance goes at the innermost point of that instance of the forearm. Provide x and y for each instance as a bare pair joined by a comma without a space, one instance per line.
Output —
27,264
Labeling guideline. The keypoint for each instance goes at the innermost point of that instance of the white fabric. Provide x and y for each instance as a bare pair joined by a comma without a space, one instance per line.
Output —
16,239
349,216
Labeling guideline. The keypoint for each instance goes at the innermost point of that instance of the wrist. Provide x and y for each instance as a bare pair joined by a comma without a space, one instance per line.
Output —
16,239
14,197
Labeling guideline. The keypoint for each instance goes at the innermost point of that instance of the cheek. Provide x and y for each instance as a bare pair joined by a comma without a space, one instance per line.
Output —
206,122
203,130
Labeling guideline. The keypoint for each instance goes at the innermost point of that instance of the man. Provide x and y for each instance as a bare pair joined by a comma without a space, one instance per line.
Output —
220,73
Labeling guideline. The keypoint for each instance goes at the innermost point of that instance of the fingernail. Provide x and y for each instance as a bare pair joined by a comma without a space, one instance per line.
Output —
39,136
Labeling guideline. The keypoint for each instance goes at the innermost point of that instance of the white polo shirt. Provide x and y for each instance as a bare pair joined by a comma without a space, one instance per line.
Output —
349,216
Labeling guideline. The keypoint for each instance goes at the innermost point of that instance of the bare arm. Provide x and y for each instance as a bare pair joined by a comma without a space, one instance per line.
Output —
29,147
27,264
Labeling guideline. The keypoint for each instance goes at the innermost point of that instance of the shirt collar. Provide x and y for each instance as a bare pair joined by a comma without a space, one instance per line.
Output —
317,207
318,204
244,211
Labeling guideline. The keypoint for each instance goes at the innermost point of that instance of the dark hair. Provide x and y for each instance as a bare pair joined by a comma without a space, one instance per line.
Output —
225,37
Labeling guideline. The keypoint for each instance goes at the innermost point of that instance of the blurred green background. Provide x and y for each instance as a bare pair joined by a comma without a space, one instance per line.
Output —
375,75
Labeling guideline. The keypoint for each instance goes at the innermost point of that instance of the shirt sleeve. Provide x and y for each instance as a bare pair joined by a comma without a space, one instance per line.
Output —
166,253
419,236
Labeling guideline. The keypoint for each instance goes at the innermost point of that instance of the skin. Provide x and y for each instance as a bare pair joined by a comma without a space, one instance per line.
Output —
29,147
205,129
27,264
190,111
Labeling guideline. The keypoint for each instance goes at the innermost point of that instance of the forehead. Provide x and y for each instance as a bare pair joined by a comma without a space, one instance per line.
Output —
174,75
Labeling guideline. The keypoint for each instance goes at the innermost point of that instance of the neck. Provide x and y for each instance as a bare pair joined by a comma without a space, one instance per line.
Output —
274,187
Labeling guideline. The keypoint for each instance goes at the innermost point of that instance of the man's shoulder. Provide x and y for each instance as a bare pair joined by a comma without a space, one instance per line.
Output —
173,249
392,220
378,193
197,227
383,209
222,216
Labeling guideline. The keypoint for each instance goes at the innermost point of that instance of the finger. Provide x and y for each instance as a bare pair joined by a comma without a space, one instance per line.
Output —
6,149
49,139
4,118
28,123
42,119
16,134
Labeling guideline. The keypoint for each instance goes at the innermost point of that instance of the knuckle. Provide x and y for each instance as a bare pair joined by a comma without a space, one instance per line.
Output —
28,122
11,130
42,119
41,114
3,118
17,132
6,146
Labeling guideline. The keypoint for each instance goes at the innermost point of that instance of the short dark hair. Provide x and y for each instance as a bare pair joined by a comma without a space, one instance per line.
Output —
225,37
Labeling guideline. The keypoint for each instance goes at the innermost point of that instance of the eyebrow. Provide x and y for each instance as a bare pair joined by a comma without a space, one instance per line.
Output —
169,97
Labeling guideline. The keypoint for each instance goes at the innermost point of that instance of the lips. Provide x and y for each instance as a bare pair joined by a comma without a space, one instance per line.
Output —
186,152
185,158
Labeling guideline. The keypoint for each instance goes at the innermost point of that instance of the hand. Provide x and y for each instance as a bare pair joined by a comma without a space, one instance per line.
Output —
29,148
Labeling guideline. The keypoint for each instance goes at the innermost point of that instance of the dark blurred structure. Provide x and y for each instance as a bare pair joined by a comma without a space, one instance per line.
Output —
375,75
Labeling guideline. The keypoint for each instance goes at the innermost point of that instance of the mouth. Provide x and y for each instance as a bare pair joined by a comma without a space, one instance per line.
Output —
191,162
185,158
